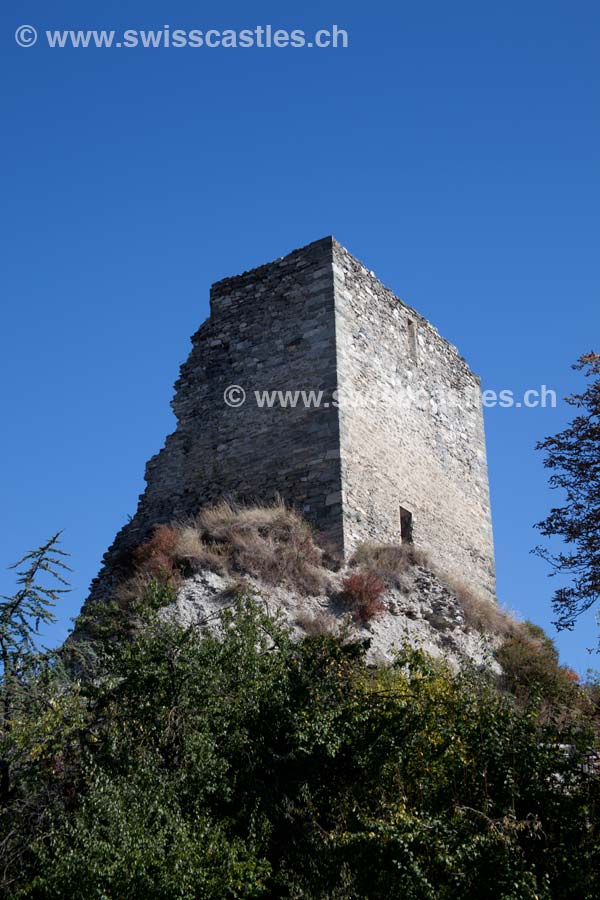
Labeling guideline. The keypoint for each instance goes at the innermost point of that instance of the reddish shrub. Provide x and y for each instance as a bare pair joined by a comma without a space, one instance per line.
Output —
156,557
362,594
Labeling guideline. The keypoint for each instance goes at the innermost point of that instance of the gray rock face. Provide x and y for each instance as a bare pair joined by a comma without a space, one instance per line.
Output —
394,451
423,613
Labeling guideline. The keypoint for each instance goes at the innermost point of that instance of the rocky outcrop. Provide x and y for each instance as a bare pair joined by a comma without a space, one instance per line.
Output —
421,611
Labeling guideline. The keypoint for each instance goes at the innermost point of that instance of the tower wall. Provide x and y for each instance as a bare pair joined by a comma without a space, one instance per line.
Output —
411,426
270,329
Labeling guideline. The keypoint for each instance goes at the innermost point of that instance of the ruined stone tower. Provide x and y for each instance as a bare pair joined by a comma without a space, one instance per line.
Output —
392,451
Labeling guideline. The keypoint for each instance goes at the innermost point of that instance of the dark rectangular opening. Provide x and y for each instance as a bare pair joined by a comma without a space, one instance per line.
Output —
406,526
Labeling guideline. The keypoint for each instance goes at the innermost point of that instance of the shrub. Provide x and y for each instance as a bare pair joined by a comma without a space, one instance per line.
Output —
238,588
156,557
362,593
131,589
236,763
156,561
532,673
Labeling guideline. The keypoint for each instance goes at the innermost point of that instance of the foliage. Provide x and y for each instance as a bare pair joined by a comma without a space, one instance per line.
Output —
573,455
20,657
361,593
239,763
103,625
532,673
31,605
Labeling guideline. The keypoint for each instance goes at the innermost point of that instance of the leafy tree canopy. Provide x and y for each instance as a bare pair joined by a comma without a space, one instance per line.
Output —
237,763
573,456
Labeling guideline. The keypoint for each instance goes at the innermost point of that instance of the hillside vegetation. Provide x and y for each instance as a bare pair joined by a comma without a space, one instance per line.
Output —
153,760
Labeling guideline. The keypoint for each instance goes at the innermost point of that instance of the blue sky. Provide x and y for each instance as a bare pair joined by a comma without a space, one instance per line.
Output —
452,147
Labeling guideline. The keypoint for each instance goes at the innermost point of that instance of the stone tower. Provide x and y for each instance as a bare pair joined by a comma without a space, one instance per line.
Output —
392,450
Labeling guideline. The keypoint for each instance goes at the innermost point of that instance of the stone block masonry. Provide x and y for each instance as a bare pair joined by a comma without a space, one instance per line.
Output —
413,451
401,456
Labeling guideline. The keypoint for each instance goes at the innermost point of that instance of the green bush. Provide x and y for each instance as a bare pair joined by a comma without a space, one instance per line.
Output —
239,764
532,673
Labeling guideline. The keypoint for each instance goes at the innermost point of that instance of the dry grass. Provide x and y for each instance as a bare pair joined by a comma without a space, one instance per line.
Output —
389,562
194,554
481,614
219,521
318,624
240,587
188,544
271,543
